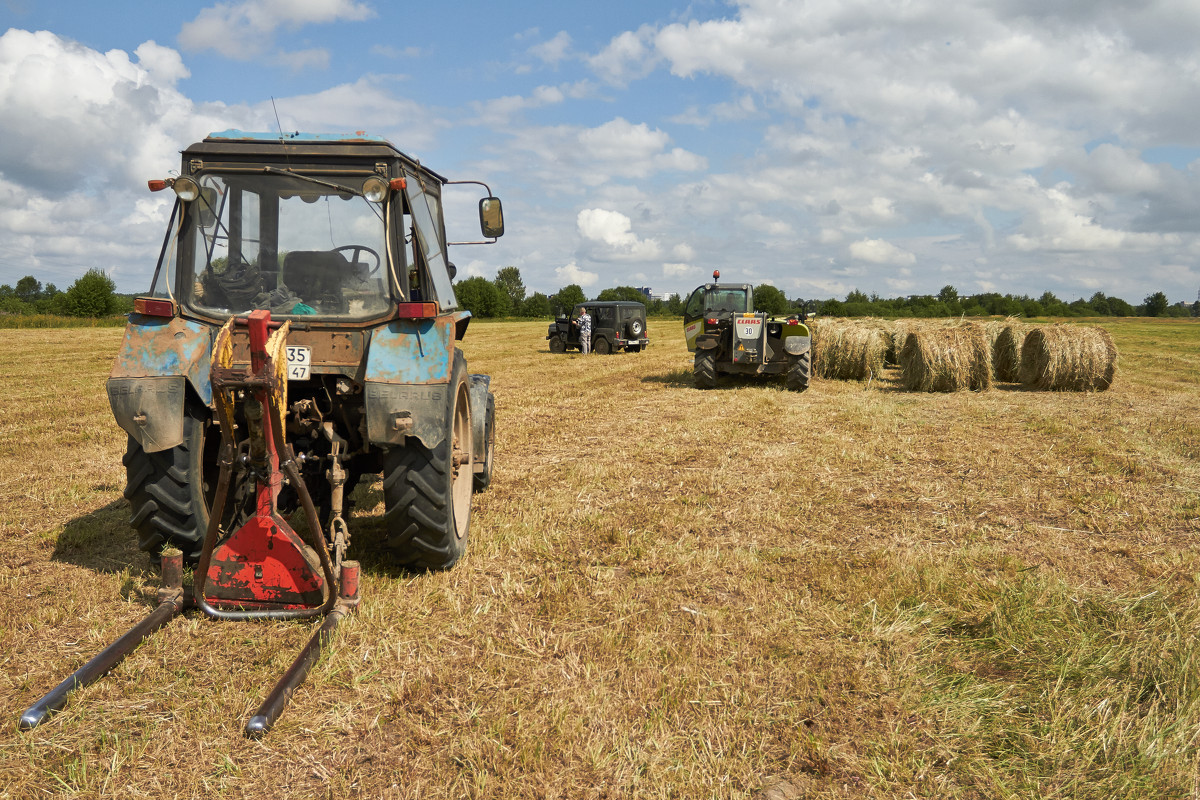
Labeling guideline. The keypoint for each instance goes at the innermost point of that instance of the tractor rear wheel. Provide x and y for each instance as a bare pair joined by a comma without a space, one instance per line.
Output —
427,493
799,373
705,369
170,491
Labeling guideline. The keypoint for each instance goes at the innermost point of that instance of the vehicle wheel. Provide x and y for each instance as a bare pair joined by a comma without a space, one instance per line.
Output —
557,346
427,493
635,328
602,346
799,372
169,492
705,370
483,479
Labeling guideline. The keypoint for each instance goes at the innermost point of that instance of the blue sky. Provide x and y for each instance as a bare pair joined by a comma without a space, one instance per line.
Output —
821,146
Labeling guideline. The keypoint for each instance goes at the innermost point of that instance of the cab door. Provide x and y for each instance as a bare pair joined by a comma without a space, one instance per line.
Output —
693,318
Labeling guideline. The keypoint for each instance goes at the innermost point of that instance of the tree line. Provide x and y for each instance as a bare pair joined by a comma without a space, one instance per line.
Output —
505,296
92,295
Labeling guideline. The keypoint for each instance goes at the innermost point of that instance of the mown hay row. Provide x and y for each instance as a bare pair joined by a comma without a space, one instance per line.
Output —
947,359
1068,358
1006,352
849,350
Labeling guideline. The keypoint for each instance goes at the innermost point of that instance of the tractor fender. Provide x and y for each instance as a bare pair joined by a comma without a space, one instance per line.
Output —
797,345
407,380
479,396
158,359
707,341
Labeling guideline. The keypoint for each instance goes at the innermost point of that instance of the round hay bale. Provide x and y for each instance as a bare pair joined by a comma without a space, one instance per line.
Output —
849,350
1006,353
947,359
1073,358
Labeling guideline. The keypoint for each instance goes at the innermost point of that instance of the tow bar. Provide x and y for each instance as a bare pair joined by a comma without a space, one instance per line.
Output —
264,569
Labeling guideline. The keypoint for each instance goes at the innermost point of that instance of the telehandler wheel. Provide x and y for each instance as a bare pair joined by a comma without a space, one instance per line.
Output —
557,346
169,492
484,479
427,493
800,372
705,369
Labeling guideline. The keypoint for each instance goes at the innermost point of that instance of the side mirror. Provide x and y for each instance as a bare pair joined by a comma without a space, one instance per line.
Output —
491,217
207,207
453,270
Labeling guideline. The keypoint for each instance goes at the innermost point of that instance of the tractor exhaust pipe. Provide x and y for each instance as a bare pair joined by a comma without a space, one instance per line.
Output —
170,603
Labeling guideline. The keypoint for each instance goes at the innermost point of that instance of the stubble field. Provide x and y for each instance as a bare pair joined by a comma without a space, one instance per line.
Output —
852,592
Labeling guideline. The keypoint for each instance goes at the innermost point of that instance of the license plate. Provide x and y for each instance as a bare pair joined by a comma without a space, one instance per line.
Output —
299,362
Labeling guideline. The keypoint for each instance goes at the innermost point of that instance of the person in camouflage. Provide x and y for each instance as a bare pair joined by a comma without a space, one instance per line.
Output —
584,321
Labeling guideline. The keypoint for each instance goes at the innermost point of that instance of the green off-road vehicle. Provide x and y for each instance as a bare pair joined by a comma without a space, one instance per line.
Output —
729,337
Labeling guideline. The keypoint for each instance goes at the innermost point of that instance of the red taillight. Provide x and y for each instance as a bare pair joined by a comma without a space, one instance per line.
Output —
711,321
153,307
417,310
156,185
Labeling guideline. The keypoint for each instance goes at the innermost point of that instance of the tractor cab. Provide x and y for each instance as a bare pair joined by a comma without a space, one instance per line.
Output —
717,302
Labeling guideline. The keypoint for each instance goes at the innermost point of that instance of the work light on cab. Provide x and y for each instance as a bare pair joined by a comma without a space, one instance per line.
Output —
375,189
186,189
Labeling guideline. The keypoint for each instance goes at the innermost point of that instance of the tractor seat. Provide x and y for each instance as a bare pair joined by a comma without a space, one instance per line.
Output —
317,276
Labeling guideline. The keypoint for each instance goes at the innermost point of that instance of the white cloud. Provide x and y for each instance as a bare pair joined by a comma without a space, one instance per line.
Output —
626,57
877,251
554,50
245,31
614,230
573,274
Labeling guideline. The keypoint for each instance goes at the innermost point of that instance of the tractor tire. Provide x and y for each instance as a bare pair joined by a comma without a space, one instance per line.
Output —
799,373
483,479
602,347
557,346
705,369
427,495
169,492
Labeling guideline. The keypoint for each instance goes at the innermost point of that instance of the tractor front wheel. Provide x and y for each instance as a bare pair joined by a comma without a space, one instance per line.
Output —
427,493
170,491
483,478
799,372
705,369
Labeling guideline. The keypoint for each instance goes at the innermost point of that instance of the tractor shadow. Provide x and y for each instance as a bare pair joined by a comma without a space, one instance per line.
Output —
676,378
103,541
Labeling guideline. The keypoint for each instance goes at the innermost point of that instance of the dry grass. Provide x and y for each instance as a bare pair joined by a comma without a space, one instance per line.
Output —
947,359
1068,357
940,595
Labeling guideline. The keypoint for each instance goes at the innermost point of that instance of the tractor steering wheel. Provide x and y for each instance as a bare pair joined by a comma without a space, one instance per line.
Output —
359,249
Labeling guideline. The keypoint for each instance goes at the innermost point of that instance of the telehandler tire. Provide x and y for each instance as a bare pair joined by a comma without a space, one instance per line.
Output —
427,493
704,370
799,373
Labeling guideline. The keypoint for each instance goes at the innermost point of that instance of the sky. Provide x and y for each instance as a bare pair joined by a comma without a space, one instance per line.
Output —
823,146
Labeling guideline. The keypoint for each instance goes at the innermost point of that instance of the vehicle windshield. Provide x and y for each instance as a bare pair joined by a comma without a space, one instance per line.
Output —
296,246
726,300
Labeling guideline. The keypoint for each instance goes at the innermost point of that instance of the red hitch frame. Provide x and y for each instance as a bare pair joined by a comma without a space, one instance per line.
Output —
264,569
